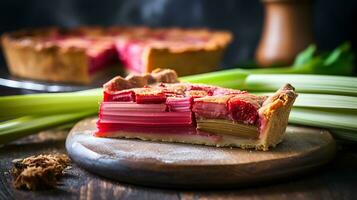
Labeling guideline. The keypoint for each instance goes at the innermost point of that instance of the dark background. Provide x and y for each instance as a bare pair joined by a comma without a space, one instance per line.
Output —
334,20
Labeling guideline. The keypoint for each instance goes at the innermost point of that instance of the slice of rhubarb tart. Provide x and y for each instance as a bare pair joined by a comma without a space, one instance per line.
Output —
157,107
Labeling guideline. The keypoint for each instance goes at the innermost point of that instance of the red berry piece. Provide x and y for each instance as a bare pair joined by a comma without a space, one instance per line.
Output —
243,111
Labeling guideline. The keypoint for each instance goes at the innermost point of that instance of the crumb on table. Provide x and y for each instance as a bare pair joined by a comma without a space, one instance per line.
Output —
39,172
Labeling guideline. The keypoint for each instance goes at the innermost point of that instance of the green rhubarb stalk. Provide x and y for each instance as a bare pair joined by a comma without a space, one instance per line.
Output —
226,127
232,78
47,104
24,126
321,84
324,119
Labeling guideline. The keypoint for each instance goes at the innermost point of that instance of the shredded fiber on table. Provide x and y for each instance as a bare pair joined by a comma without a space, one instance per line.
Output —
39,172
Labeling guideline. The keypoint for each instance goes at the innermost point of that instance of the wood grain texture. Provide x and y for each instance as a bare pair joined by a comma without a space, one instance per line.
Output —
337,180
195,166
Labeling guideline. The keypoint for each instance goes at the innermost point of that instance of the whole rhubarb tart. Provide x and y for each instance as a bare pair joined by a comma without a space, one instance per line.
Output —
157,107
78,55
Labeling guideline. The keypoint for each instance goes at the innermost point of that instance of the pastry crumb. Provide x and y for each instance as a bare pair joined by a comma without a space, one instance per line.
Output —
39,172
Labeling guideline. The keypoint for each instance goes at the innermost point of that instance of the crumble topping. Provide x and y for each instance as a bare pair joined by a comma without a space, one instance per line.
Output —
137,81
39,172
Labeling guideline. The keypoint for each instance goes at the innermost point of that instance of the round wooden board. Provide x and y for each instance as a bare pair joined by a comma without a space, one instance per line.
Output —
194,166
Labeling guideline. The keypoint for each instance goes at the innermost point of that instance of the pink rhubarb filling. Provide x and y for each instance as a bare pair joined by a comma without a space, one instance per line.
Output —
164,109
130,54
101,57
